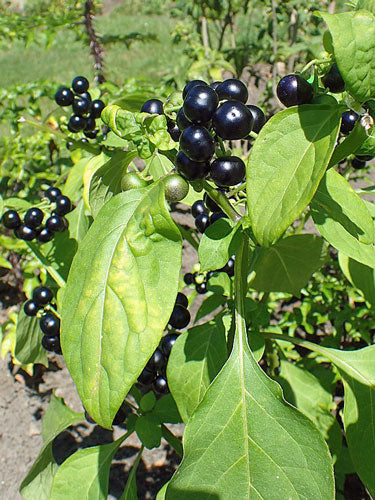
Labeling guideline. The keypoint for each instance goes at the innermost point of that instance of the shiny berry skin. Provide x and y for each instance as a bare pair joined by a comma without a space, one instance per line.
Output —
76,123
216,216
81,106
45,235
293,90
167,343
55,223
156,362
190,85
91,135
201,288
259,117
190,169
80,84
181,120
52,193
86,95
50,325
11,219
146,377
333,80
196,142
202,222
180,317
358,164
232,120
33,217
188,278
160,385
210,204
63,205
232,89
153,106
97,107
365,157
229,267
174,132
30,308
64,97
227,171
90,124
25,233
42,295
182,299
198,208
200,104
349,119
51,343
214,85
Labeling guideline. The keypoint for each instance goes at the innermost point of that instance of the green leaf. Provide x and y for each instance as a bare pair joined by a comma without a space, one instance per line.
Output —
351,143
121,122
16,204
29,336
368,145
281,180
158,165
220,283
166,410
340,202
353,35
366,5
209,305
130,491
245,441
195,360
360,276
162,492
91,167
119,296
148,430
95,462
106,181
218,243
5,263
37,484
288,265
74,181
147,402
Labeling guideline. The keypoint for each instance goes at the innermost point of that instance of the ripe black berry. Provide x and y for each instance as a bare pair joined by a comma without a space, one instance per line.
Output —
81,106
45,235
167,343
232,89
294,90
200,104
30,308
11,219
198,208
358,164
229,267
153,106
90,124
259,117
42,295
216,216
50,325
232,120
349,119
55,223
76,123
64,97
181,120
86,95
26,233
146,377
33,217
188,278
174,132
91,135
182,299
191,170
214,85
365,157
156,362
97,107
227,171
197,143
180,317
52,193
333,80
211,204
51,343
201,288
80,84
202,222
190,85
160,385
63,205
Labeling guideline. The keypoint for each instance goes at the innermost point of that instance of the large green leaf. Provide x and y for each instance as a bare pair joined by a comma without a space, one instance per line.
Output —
353,35
37,484
158,165
106,181
130,491
361,276
195,360
287,265
119,296
85,474
28,348
286,164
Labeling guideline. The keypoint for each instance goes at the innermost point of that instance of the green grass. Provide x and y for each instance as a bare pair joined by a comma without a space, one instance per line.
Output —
68,57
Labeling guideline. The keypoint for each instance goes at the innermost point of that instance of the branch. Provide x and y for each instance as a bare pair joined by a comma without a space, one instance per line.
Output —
96,48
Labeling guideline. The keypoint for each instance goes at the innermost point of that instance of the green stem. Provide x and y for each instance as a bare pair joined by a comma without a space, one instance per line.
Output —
315,61
42,126
240,290
294,340
172,440
254,135
221,144
222,201
42,259
239,188
188,237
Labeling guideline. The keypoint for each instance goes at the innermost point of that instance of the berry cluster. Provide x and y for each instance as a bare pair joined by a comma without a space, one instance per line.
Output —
359,161
154,373
31,227
85,110
49,322
200,211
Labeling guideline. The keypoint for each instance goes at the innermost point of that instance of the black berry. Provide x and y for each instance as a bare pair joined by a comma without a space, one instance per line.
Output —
146,377
64,97
76,123
216,216
198,208
365,157
55,223
160,385
50,325
190,169
229,267
90,125
30,308
52,193
358,164
81,106
153,106
232,89
91,135
26,233
63,205
188,278
349,119
97,107
202,222
180,317
259,117
167,343
200,104
196,142
33,217
174,132
214,85
86,95
227,171
11,219
80,84
51,343
156,362
182,121
190,85
232,120
182,299
333,80
201,288
45,235
42,295
211,204
294,90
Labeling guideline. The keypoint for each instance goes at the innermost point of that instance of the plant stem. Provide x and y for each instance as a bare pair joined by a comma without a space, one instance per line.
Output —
222,201
42,259
239,188
303,343
254,135
240,290
96,48
221,144
314,61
